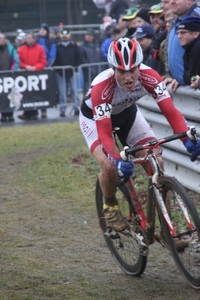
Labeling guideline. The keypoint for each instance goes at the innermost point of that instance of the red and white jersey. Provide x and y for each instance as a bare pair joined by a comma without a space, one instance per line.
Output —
106,97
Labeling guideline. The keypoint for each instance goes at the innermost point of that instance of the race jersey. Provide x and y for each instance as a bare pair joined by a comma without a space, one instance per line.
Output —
106,98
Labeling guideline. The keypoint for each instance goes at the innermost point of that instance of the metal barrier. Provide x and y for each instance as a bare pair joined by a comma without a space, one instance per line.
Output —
89,70
177,160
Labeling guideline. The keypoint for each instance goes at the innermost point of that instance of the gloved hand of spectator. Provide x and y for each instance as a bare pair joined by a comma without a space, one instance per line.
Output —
192,148
125,168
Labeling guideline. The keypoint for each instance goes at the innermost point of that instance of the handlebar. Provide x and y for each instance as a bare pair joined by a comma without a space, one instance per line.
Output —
191,133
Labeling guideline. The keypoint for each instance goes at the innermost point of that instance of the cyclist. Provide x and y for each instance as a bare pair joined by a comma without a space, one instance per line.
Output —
111,102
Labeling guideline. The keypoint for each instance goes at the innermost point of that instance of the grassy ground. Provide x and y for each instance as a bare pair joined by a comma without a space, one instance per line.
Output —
50,243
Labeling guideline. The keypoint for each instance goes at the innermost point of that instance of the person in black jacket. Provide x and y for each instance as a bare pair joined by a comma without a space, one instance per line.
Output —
68,54
118,8
189,37
145,35
91,53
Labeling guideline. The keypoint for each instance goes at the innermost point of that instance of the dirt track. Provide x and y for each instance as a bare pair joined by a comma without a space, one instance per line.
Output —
50,237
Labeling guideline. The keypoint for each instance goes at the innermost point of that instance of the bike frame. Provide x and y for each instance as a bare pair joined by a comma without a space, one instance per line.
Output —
155,172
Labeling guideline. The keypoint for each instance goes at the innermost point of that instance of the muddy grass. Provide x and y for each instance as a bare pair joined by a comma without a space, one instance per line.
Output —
51,246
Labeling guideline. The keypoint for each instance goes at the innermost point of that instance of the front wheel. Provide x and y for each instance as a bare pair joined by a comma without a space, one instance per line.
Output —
128,252
184,242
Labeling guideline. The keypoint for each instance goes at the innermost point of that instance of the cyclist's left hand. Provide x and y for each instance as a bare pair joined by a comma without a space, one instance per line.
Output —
125,168
192,148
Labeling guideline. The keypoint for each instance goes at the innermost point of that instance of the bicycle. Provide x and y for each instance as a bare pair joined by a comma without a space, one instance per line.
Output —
168,208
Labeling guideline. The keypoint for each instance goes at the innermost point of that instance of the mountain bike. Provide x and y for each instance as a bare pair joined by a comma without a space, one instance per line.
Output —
167,216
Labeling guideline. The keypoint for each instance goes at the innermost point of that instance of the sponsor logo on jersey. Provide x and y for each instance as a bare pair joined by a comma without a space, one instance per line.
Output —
108,91
125,101
148,79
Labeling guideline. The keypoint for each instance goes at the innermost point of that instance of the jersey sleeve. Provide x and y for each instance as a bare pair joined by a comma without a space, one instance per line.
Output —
101,96
153,83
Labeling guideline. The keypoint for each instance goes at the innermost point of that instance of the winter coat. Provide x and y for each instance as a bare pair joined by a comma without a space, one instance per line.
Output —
50,49
191,60
91,53
68,54
32,56
9,59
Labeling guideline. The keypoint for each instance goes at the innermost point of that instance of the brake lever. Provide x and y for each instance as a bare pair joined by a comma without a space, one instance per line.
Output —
124,156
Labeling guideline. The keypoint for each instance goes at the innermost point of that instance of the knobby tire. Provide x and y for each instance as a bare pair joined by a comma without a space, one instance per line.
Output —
185,248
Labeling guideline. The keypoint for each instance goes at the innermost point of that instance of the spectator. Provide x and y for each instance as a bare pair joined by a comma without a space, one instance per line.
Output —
189,37
50,51
144,35
157,17
32,58
107,21
118,8
122,25
166,5
9,60
91,53
114,35
54,35
169,16
130,19
68,54
47,44
142,17
20,39
158,22
181,9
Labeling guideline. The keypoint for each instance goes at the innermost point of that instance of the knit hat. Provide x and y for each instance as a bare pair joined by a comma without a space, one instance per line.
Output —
90,31
190,23
21,36
143,13
131,14
54,30
145,30
45,26
156,9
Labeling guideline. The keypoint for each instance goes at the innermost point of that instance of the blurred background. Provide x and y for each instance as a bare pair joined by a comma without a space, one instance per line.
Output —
29,14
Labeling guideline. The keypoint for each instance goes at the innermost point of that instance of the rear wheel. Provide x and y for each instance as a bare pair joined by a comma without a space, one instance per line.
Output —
185,242
128,252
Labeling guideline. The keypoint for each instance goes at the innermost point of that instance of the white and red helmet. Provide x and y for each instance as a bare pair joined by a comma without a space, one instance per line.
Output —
125,54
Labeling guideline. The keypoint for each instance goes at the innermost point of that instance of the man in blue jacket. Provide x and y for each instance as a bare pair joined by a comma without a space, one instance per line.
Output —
181,9
49,48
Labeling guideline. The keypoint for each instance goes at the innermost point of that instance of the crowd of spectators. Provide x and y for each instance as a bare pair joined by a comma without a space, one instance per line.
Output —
168,32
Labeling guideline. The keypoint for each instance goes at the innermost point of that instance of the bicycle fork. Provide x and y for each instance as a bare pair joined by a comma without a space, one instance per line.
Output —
163,209
156,188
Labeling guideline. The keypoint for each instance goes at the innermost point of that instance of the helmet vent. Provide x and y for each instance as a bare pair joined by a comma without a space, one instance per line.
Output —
126,56
118,59
119,47
130,45
134,57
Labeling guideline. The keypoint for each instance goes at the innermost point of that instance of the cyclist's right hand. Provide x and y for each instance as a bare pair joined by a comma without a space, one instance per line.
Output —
193,148
125,168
